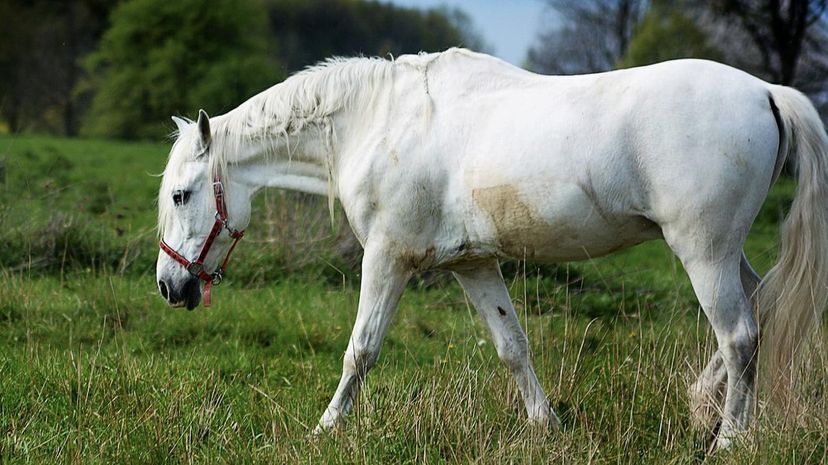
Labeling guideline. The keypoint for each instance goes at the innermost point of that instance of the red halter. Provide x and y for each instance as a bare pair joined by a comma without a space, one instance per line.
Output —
196,267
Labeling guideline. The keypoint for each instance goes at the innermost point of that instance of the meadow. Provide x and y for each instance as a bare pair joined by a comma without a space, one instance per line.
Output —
95,368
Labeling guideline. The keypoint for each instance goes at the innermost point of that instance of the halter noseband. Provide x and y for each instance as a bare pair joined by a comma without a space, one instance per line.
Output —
196,267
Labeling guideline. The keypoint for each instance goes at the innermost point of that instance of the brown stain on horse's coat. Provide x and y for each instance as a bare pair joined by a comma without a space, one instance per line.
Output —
419,261
520,230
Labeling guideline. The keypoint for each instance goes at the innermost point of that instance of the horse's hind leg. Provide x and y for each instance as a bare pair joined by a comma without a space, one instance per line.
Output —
750,279
708,392
714,273
487,291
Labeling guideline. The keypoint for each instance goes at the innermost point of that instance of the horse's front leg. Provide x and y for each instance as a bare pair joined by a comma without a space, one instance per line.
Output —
383,282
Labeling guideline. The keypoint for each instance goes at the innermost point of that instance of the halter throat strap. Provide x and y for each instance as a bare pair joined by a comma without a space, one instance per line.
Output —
196,267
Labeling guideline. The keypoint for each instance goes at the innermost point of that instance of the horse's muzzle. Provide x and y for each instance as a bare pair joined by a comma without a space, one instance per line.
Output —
188,296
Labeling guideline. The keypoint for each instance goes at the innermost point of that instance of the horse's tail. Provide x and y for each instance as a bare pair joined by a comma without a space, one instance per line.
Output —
794,293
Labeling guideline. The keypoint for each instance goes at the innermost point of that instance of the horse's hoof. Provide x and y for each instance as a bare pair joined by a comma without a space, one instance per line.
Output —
321,431
317,433
554,422
720,443
705,408
549,424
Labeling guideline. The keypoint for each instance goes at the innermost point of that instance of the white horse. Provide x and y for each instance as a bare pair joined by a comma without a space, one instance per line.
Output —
453,160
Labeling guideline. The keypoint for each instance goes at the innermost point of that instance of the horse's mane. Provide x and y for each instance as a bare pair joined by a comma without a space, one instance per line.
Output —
306,99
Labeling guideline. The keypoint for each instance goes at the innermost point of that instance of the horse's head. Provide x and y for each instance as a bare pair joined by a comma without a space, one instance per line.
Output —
201,215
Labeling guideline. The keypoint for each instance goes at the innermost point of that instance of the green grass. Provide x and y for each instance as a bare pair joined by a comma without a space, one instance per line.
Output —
95,368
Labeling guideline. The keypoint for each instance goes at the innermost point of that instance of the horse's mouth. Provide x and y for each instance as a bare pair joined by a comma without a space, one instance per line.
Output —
189,296
191,292
191,304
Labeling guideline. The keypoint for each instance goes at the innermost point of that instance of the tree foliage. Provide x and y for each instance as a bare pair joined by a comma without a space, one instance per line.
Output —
666,35
41,43
306,32
587,36
781,41
15,62
782,32
161,58
123,66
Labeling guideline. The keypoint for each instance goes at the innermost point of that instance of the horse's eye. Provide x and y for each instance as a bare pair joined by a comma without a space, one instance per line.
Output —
180,197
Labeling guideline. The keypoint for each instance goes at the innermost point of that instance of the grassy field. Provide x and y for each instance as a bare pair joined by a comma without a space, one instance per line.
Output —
95,368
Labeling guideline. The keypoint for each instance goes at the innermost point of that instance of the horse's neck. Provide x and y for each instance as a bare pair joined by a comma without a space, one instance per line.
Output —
305,161
303,152
298,164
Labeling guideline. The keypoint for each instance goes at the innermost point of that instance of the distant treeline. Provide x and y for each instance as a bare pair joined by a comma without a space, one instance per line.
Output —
121,68
784,42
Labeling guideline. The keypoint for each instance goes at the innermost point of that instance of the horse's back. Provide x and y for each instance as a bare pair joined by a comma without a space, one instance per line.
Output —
563,168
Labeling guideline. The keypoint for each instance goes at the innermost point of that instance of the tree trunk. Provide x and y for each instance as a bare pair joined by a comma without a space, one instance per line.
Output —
70,126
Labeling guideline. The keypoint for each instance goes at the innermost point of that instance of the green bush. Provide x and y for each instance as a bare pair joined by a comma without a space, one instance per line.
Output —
162,58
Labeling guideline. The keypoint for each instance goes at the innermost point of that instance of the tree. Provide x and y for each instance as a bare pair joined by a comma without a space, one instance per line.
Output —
161,58
780,30
157,58
667,34
306,32
16,38
588,36
40,50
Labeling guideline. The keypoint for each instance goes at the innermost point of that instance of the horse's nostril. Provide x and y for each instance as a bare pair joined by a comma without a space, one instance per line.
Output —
163,288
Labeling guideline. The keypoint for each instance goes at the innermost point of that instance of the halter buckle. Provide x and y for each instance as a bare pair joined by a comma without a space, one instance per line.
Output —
217,277
234,233
218,189
195,268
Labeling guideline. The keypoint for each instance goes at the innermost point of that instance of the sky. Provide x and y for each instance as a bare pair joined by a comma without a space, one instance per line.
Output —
509,27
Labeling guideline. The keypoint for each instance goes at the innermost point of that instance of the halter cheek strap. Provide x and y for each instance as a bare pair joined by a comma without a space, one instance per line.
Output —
196,267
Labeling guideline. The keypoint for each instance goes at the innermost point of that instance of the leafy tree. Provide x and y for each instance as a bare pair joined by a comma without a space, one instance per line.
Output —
666,35
780,30
16,61
780,41
40,48
161,58
307,32
587,36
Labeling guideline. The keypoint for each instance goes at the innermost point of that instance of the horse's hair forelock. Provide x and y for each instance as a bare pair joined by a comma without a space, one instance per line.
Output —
306,99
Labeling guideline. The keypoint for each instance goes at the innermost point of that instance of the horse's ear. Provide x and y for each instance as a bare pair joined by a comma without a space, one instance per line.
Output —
204,128
180,123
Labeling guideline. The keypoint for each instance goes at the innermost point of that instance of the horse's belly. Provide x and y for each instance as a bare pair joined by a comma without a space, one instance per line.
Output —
557,242
573,228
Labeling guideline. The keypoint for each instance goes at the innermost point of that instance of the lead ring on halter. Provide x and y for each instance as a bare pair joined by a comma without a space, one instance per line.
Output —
196,267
